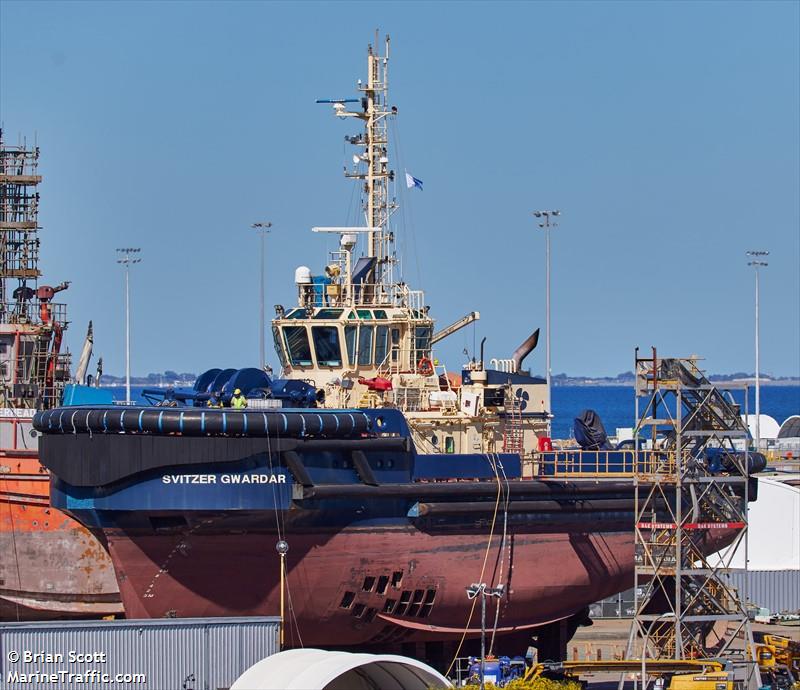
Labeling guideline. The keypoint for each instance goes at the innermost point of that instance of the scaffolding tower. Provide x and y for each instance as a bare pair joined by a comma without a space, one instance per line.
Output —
33,369
691,502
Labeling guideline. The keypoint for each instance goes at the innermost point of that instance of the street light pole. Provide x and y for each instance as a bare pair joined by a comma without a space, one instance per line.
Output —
126,261
480,588
262,229
282,547
756,263
546,225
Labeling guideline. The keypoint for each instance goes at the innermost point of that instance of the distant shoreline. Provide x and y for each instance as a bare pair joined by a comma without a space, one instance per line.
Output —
569,383
720,382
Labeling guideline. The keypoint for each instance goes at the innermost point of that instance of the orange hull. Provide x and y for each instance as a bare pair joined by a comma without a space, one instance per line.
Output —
50,565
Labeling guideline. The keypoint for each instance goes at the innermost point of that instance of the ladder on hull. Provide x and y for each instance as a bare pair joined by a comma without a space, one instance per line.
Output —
513,431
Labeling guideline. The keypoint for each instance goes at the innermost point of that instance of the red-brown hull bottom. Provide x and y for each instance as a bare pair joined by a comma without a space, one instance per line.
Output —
370,585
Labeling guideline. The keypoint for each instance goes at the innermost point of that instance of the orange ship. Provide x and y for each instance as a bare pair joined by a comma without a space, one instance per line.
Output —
50,565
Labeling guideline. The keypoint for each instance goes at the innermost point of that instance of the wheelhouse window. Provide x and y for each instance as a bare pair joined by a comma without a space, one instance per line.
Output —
350,334
276,336
365,314
326,343
395,345
365,335
328,314
422,340
297,345
381,344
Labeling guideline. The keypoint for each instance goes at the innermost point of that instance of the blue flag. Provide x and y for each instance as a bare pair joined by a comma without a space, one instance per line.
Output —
412,181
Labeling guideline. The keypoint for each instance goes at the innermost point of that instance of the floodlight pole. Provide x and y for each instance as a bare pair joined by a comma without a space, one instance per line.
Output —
126,261
480,588
756,263
262,229
546,225
282,548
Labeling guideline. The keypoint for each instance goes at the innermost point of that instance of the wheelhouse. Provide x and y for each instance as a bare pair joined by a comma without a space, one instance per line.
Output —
388,340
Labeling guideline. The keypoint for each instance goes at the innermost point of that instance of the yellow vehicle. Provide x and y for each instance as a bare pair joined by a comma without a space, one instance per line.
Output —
778,659
784,651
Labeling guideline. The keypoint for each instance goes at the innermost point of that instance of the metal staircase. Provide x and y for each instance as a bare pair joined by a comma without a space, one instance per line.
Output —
691,500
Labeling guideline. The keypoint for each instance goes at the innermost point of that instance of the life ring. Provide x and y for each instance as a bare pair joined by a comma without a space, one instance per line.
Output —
425,367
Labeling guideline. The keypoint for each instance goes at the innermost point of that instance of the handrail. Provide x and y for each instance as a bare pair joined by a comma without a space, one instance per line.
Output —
395,366
363,295
507,366
33,312
591,463
385,367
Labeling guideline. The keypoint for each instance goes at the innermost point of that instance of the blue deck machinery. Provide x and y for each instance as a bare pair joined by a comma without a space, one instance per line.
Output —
254,384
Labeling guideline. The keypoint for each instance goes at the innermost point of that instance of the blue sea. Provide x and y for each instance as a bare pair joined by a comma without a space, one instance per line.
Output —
615,404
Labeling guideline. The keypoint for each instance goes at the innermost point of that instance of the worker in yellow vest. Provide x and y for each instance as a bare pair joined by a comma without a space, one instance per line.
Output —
238,401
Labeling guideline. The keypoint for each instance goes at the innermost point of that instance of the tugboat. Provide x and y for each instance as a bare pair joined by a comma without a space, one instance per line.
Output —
387,484
51,565
363,338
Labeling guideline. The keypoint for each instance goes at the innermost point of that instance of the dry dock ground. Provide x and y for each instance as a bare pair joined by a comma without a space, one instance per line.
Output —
607,639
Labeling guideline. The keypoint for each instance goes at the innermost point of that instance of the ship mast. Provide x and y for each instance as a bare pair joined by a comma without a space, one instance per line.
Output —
378,175
378,204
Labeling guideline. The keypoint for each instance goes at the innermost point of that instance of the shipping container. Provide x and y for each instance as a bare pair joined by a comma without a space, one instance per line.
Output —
162,654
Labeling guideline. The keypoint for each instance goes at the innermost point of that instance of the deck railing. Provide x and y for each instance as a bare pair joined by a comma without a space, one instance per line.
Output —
604,463
33,312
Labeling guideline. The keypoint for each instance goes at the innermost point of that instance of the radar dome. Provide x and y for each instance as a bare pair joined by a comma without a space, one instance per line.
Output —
302,275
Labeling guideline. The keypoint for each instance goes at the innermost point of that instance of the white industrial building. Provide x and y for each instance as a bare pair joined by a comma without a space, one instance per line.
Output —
768,427
773,554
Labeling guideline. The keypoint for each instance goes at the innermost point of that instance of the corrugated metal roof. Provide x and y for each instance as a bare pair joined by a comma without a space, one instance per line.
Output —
197,653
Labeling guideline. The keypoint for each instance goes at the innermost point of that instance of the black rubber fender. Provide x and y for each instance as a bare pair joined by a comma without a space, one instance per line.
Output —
203,422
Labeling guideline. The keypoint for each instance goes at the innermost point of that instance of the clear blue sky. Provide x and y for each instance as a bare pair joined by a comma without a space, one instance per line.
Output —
667,133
